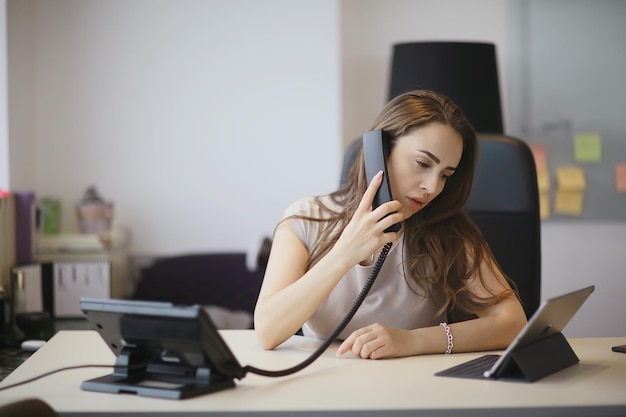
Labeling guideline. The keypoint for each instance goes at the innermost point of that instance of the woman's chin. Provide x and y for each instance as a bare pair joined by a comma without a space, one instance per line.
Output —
407,212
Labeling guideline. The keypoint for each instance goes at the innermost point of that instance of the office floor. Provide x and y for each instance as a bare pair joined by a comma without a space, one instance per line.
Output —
11,354
11,358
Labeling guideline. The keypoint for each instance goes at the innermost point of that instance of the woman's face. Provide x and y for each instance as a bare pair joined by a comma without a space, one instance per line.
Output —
420,162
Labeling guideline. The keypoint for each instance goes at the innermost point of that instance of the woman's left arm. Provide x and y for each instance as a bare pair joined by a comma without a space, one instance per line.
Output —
494,328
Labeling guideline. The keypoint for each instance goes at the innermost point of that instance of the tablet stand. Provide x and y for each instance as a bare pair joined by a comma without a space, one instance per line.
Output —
143,372
539,359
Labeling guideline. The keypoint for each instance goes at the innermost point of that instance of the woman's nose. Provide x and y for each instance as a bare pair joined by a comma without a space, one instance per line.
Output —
429,183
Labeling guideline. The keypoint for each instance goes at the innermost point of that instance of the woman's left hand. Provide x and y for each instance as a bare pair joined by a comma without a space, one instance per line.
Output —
377,342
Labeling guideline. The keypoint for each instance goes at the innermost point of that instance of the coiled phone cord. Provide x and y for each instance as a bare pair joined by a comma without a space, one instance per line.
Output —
331,338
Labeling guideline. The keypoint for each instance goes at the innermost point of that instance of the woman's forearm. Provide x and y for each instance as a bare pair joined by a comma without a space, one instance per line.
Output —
490,332
280,315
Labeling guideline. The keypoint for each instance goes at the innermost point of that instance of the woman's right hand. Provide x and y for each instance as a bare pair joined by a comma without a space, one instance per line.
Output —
365,233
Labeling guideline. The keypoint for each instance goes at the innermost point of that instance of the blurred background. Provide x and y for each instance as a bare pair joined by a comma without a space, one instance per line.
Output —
201,120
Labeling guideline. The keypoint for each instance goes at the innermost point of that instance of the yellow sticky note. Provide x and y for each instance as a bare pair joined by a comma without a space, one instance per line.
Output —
568,202
620,177
543,180
544,206
587,147
570,178
539,154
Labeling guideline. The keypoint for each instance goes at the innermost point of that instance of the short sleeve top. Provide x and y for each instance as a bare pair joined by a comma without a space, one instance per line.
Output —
392,301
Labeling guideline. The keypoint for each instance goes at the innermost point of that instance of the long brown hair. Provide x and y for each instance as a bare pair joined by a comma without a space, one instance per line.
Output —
443,245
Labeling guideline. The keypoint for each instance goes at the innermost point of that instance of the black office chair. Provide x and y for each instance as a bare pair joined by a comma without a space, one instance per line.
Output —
504,203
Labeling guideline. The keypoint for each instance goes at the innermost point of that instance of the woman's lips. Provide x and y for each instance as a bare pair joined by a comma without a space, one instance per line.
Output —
416,204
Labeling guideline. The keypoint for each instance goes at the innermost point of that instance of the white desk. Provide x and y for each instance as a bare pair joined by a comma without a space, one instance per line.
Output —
333,386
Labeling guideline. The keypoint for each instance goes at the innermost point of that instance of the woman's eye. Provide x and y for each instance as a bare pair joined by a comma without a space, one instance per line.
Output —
422,164
446,175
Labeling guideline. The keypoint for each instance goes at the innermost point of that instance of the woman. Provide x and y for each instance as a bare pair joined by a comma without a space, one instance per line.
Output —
439,266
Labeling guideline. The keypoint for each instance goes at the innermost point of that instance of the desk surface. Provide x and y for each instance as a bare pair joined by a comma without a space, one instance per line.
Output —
332,385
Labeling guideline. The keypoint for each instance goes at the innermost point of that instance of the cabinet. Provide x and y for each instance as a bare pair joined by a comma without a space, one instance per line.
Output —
111,246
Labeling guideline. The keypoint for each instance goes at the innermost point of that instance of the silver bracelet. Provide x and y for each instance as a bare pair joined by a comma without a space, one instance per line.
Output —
446,329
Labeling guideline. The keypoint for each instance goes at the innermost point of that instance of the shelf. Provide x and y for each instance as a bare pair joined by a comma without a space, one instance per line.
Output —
116,239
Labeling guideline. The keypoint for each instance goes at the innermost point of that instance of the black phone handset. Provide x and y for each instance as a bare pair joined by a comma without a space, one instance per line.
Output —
374,144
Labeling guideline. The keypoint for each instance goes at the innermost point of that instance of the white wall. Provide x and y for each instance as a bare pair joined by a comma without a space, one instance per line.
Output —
21,65
201,120
4,126
577,254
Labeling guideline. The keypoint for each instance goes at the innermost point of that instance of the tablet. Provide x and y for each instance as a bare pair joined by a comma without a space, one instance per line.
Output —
549,320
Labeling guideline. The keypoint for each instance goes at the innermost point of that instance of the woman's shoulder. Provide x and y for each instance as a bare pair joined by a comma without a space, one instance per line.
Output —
300,206
299,216
310,206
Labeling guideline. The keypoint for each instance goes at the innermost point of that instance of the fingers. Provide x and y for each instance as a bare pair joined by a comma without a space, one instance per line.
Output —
392,218
347,344
365,343
370,192
389,209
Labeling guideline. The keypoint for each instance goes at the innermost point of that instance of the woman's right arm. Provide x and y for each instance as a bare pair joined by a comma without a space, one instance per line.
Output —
290,294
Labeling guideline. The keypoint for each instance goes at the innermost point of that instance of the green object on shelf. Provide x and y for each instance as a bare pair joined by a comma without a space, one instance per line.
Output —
50,216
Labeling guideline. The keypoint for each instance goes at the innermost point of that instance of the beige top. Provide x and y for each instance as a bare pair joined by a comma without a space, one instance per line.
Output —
390,302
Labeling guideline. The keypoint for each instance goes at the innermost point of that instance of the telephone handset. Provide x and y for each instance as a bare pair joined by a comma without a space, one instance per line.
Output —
374,144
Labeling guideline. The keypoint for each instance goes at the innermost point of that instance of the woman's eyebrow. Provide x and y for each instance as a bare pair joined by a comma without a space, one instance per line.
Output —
434,158
431,156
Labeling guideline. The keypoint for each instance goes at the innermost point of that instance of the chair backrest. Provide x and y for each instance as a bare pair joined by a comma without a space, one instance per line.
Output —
504,203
